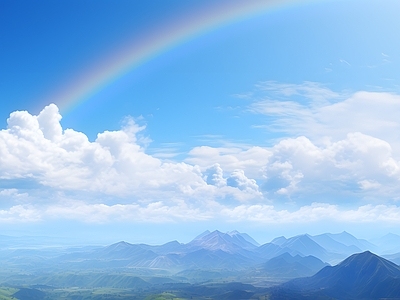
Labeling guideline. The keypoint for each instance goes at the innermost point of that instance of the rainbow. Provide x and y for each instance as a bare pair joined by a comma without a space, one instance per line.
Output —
168,36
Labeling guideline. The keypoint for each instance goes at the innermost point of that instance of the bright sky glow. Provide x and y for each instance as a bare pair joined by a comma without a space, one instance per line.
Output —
150,122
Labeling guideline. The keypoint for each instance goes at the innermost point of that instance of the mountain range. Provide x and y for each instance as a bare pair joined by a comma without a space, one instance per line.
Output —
209,250
325,266
217,250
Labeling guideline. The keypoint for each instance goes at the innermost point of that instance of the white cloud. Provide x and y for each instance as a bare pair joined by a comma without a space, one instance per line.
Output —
239,180
49,122
8,192
250,159
181,211
298,165
236,179
114,165
313,213
14,196
36,147
215,176
349,139
20,214
155,212
369,184
314,93
374,114
343,61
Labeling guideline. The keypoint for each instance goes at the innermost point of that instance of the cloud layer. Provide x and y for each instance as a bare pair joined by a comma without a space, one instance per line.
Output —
339,162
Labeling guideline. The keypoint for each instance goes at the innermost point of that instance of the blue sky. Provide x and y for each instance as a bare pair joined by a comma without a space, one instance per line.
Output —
277,122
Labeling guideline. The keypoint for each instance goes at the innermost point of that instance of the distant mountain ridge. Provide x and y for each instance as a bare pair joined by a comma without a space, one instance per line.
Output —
388,243
221,251
332,244
350,240
288,266
302,244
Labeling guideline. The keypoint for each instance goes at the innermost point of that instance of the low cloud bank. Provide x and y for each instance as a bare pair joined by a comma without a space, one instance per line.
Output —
50,172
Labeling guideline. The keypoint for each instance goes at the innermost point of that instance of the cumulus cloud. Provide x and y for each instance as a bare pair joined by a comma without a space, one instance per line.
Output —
49,122
298,165
239,180
37,147
334,141
215,175
115,164
250,159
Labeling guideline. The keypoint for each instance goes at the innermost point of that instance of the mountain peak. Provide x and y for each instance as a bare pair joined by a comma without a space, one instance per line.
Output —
279,240
361,269
120,245
202,235
350,240
216,232
363,275
228,242
367,257
233,232
245,236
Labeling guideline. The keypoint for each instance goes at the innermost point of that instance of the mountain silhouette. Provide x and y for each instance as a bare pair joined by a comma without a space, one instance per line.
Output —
350,240
286,265
302,244
388,243
361,276
328,242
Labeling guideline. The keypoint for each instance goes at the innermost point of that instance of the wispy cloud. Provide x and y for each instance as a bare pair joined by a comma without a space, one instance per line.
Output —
167,150
312,92
383,60
371,113
343,61
316,212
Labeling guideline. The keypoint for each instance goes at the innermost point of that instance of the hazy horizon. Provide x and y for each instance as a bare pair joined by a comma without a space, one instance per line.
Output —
112,238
